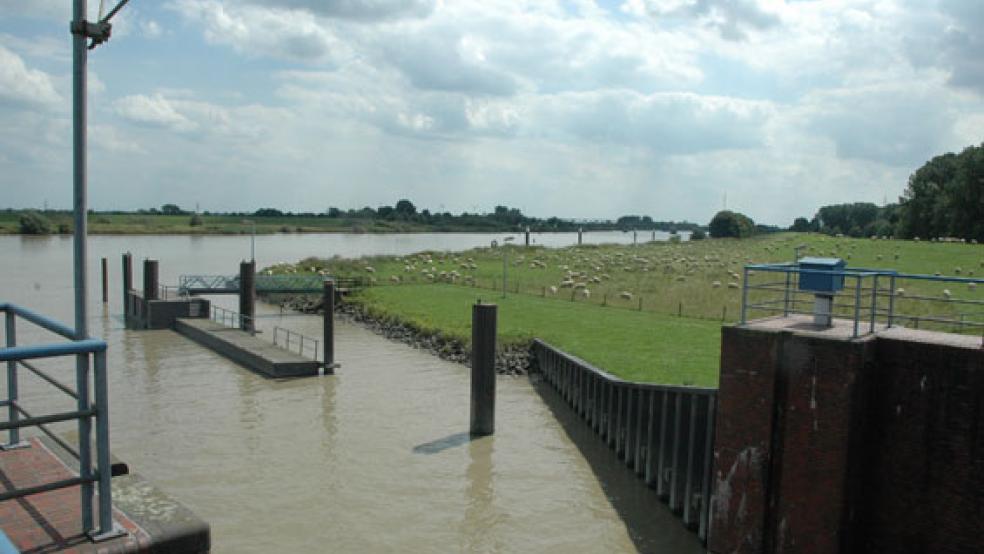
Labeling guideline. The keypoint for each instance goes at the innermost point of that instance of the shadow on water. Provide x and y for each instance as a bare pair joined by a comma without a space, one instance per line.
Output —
442,444
651,525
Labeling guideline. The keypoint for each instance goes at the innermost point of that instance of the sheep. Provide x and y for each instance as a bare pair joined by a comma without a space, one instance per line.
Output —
552,289
972,286
957,270
580,285
395,278
900,291
370,269
732,285
947,294
566,284
716,284
585,293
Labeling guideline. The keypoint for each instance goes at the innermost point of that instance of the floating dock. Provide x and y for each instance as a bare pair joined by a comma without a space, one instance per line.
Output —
246,349
51,521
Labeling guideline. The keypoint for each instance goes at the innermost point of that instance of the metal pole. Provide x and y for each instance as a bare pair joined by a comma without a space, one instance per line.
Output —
85,439
13,435
857,304
79,71
328,331
252,244
504,266
744,296
483,369
891,301
874,303
785,304
102,445
247,296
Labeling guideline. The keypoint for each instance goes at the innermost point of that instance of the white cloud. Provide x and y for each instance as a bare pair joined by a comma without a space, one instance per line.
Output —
23,86
359,10
154,110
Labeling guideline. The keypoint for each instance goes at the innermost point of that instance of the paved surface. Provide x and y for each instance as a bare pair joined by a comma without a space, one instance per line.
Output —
51,521
254,352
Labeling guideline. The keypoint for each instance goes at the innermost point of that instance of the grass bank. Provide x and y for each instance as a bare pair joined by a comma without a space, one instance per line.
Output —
640,346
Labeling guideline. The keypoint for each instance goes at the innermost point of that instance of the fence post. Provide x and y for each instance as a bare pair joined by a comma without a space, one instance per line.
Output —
105,280
874,303
328,338
247,296
891,301
150,281
85,435
483,369
857,305
744,296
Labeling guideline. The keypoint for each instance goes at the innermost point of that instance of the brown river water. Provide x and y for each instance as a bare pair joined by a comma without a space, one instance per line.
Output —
373,459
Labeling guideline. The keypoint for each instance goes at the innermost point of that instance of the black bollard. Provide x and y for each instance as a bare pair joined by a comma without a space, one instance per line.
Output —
328,303
483,369
527,236
127,283
105,280
150,281
580,230
247,296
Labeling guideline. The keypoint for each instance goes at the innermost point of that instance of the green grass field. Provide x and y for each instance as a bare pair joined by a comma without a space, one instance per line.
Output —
640,346
627,322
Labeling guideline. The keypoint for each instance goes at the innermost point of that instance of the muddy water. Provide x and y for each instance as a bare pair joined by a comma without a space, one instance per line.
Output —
373,459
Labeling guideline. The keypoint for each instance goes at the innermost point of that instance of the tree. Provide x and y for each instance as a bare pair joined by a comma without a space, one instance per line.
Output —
33,223
196,221
945,197
171,209
731,224
268,212
697,234
405,208
801,225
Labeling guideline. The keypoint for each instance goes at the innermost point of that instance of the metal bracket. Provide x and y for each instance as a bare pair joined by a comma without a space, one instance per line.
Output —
99,32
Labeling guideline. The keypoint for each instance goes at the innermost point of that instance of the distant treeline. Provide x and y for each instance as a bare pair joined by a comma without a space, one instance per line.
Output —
403,213
943,199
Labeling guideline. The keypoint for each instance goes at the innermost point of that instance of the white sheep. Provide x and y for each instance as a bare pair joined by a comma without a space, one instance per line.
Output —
946,294
716,284
395,278
552,289
586,293
370,269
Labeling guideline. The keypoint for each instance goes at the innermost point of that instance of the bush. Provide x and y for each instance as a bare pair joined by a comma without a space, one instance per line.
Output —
33,223
731,224
697,234
196,221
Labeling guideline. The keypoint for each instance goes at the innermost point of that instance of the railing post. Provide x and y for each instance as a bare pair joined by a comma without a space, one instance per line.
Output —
13,435
483,369
85,439
891,301
744,296
857,304
785,303
101,394
874,302
328,330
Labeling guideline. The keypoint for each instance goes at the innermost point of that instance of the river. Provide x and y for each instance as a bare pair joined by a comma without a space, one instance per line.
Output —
373,459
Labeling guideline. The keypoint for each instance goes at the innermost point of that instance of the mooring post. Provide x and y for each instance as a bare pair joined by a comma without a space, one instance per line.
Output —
328,303
150,280
483,369
127,283
527,236
105,280
247,296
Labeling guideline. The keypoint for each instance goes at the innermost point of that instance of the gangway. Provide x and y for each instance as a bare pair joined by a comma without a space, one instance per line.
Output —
265,284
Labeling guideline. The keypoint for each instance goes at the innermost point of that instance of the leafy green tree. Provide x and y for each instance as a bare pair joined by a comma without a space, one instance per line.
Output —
731,224
945,197
196,221
405,208
801,225
171,209
697,234
33,223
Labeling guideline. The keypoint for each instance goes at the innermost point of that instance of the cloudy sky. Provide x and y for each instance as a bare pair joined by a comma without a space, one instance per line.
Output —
577,108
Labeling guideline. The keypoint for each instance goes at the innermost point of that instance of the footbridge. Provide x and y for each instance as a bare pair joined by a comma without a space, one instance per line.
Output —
265,284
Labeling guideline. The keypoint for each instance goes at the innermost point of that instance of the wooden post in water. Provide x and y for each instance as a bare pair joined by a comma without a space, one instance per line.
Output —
527,236
580,231
247,295
483,369
328,337
150,282
105,280
127,283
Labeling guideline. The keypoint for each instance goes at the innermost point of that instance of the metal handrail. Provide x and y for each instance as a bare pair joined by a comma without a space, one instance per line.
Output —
90,354
301,341
866,298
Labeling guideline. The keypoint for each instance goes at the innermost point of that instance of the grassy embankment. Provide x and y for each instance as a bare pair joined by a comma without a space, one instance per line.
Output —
634,335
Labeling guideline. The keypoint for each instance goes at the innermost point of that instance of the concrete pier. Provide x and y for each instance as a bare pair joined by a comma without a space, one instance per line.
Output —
50,521
246,349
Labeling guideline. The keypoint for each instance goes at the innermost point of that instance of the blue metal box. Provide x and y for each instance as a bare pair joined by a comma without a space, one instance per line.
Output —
821,283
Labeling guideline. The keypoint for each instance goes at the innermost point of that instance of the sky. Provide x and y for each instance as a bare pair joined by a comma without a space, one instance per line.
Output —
573,108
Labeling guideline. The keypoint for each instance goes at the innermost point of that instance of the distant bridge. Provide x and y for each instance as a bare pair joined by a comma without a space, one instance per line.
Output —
265,284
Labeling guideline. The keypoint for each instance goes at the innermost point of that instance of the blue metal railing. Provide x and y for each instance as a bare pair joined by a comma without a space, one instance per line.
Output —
877,297
91,402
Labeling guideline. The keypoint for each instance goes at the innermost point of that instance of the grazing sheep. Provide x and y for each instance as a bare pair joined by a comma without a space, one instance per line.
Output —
946,294
716,284
552,289
972,286
957,270
580,285
900,291
566,284
585,293
626,295
395,278
370,269
732,285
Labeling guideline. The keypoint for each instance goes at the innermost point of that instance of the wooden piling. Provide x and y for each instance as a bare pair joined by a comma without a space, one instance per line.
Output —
105,280
150,282
247,296
328,337
483,369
